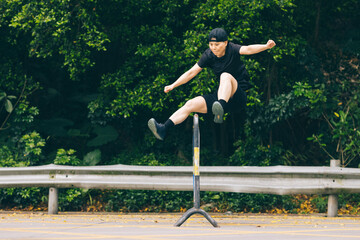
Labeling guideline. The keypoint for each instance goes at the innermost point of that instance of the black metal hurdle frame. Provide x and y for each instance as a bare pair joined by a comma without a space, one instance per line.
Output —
196,179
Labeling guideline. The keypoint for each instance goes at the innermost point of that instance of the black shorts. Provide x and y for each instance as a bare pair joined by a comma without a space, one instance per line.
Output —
236,104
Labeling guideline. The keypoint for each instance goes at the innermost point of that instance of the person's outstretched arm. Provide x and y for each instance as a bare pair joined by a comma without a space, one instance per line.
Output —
256,48
187,76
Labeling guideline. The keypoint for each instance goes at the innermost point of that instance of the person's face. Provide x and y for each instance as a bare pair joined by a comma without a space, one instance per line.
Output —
218,48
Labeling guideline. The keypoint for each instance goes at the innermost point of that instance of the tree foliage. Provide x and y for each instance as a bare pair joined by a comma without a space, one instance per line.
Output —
87,75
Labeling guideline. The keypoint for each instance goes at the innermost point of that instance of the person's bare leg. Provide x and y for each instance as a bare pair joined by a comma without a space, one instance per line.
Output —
196,104
228,86
227,89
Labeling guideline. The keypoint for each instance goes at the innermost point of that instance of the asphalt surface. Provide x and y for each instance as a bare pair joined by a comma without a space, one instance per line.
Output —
41,226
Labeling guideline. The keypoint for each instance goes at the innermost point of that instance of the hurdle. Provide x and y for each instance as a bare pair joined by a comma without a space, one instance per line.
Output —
196,179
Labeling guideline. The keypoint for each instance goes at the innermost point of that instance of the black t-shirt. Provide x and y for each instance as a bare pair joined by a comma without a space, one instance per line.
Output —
229,63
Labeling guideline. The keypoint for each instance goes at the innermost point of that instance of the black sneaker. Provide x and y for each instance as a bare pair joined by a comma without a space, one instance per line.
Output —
218,111
157,129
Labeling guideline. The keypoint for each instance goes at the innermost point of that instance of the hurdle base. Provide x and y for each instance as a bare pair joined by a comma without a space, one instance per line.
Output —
191,212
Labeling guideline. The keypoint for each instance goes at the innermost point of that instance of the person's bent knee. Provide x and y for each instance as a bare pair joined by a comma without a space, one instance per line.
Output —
226,76
190,104
228,82
195,105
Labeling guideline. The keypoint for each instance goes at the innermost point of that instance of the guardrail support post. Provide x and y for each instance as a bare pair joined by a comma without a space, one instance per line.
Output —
196,179
333,199
53,200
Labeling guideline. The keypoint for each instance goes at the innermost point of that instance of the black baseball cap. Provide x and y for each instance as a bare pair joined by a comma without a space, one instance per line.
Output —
218,35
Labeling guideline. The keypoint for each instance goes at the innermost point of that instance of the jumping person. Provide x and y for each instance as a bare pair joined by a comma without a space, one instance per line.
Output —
223,57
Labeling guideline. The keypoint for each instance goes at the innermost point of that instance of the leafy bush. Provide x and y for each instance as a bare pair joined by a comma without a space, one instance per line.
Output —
66,79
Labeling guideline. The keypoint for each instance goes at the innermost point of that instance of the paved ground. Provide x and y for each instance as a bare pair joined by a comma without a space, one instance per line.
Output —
41,226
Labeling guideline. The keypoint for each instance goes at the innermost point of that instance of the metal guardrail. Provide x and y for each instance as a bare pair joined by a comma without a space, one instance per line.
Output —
280,180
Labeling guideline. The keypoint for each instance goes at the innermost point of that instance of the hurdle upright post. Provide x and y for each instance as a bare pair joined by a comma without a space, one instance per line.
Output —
196,162
196,179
